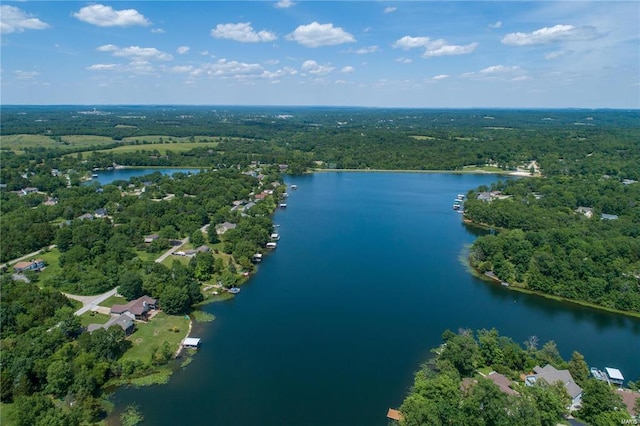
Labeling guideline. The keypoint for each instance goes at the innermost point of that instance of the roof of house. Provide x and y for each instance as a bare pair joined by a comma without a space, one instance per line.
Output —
582,209
608,216
503,382
629,399
137,307
550,374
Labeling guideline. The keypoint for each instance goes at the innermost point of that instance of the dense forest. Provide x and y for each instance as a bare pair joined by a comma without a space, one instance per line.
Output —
457,386
574,237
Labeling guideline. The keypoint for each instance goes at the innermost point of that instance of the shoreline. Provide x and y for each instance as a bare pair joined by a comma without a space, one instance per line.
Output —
453,172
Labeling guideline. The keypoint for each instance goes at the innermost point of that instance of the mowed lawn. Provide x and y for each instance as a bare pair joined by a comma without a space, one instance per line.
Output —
159,329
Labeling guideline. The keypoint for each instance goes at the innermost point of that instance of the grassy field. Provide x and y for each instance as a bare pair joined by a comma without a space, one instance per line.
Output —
18,143
5,413
162,148
52,263
491,169
422,138
114,300
161,328
93,318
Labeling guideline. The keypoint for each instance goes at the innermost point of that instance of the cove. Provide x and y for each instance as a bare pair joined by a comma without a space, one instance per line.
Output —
366,277
107,176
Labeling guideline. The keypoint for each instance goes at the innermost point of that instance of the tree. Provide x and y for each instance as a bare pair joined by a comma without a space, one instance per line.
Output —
578,368
196,238
130,285
463,352
131,416
174,300
550,400
59,378
598,398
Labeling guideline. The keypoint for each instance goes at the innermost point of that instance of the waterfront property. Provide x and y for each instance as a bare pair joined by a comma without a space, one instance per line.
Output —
124,321
550,375
502,382
139,307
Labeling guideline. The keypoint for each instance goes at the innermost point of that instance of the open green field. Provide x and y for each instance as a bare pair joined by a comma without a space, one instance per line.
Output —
490,169
5,413
162,148
422,138
161,328
18,143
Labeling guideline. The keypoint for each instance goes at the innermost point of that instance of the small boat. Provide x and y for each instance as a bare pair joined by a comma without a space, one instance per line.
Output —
234,290
94,175
283,205
294,186
456,206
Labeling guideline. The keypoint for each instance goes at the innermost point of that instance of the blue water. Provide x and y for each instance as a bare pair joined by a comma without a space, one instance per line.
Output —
365,279
107,176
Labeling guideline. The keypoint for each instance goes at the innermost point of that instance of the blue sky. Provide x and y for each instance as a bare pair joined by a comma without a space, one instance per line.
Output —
358,53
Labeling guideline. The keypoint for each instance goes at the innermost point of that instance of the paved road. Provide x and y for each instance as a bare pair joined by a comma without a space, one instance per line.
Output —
26,256
171,250
89,302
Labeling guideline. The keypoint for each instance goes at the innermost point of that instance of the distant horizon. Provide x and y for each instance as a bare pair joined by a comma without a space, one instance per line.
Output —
368,54
321,106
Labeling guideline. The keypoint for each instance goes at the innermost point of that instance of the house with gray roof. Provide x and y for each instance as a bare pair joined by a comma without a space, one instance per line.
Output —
551,375
124,321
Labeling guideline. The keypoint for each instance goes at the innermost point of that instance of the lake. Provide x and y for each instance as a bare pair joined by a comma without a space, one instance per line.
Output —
107,176
366,277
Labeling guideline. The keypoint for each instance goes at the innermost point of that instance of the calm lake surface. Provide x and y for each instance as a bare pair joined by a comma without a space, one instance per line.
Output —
108,176
366,277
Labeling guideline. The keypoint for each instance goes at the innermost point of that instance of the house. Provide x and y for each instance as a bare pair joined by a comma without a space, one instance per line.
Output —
86,216
190,252
249,205
138,308
151,238
203,249
33,265
28,190
586,211
224,227
260,196
124,321
629,398
100,213
550,375
605,216
485,196
628,181
502,382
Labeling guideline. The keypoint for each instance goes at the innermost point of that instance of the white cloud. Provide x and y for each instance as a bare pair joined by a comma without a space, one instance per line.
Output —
316,35
348,69
440,77
433,47
499,69
242,32
496,25
157,31
404,60
521,78
136,52
390,9
553,34
102,67
14,20
284,4
408,42
272,62
449,49
106,16
180,69
368,49
183,50
312,67
26,75
556,54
